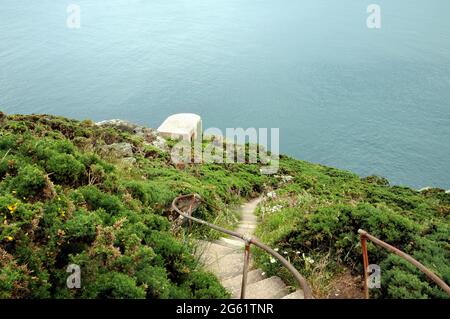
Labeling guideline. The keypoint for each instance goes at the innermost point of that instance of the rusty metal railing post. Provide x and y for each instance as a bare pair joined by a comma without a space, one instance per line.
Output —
365,263
245,270
190,214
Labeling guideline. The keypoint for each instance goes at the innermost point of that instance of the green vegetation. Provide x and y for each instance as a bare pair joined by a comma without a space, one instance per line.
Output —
62,202
65,200
314,221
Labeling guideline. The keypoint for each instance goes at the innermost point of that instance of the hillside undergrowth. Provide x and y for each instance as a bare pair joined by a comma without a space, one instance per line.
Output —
316,216
63,200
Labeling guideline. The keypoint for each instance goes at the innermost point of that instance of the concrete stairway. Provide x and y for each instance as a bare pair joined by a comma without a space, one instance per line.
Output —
225,258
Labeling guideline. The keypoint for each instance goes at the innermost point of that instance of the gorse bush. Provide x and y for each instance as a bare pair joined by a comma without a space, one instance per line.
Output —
65,168
115,285
96,199
157,281
29,182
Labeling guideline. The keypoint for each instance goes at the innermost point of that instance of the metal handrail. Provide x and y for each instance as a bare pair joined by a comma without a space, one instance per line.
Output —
365,235
248,241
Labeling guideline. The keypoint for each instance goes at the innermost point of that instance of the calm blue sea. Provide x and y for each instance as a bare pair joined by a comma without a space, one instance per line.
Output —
371,101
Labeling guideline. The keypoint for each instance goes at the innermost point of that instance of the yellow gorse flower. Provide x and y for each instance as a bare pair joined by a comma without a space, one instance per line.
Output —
12,208
9,238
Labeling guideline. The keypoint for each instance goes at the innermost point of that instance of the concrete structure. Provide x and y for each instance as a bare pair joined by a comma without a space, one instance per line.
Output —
185,126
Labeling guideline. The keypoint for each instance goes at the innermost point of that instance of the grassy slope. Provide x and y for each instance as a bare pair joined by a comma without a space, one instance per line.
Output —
315,218
61,202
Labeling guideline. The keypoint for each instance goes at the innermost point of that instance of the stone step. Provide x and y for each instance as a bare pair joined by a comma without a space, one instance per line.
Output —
270,288
234,284
231,243
211,251
295,295
203,245
247,224
225,258
227,266
249,218
246,230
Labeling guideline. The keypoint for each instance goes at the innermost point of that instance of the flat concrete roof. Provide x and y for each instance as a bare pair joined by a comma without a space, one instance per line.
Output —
181,123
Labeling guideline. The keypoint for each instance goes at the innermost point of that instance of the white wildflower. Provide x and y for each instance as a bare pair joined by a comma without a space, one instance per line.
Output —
309,260
272,260
275,208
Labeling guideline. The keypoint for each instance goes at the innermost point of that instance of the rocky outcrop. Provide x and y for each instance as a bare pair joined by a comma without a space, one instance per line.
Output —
149,135
121,125
118,149
160,143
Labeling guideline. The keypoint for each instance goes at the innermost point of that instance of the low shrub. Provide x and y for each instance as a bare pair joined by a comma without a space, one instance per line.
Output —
157,281
96,199
29,182
65,168
114,285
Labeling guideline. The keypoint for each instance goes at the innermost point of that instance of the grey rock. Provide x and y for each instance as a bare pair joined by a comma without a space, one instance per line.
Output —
129,160
118,149
121,125
285,178
149,135
160,143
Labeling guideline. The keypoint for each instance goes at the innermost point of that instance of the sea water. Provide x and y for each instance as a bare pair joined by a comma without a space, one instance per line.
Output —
370,100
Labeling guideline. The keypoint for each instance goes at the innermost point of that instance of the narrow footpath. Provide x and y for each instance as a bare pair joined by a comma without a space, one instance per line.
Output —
225,258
